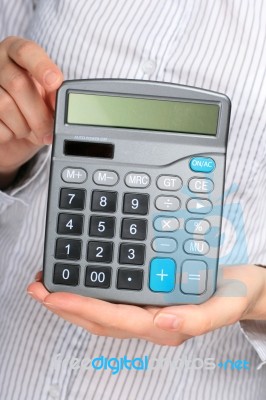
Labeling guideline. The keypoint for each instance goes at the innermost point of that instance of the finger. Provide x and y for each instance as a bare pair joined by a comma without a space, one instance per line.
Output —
225,308
5,133
28,99
12,117
34,59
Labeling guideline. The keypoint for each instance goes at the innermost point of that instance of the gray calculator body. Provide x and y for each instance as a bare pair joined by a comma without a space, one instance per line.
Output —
134,213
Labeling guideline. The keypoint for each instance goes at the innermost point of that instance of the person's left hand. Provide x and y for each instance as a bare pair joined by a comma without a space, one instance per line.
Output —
240,295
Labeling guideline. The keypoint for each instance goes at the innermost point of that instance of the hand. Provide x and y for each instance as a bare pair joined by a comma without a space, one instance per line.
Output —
241,294
28,82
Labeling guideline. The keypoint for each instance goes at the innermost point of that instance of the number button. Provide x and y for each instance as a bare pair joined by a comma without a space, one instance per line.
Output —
65,274
132,254
70,224
129,278
72,199
69,249
134,229
100,252
102,226
98,277
136,203
103,201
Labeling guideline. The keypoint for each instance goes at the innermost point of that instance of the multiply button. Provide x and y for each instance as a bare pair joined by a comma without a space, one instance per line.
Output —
197,247
105,178
199,206
162,275
169,182
167,203
137,180
200,185
74,175
165,224
193,277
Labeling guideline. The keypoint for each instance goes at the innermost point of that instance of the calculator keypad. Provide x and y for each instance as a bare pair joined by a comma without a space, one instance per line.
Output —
121,238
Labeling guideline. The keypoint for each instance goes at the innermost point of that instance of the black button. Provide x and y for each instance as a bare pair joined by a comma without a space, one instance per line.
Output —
131,253
69,249
72,199
134,229
100,252
135,203
70,224
103,201
102,226
129,278
98,277
66,274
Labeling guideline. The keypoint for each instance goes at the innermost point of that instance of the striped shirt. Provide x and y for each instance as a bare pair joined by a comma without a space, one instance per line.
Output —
218,45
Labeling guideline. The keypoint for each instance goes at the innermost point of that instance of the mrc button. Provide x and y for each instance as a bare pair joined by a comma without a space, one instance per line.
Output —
137,180
202,164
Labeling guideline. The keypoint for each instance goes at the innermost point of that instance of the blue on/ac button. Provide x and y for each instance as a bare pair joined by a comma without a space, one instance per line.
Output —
162,274
202,164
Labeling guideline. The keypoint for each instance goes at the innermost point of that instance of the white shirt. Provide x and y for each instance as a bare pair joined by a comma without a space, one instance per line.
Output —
214,45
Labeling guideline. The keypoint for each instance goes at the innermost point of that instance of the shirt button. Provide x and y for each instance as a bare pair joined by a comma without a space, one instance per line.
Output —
149,67
54,391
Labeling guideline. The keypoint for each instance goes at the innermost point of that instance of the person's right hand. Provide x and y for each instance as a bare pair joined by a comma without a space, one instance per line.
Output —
28,83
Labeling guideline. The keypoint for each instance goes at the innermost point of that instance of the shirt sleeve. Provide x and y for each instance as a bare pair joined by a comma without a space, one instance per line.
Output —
255,333
19,191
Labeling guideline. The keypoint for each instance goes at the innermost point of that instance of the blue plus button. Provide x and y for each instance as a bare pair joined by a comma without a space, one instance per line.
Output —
202,164
162,275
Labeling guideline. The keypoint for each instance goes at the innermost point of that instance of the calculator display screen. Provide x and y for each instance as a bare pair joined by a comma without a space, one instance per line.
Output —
142,113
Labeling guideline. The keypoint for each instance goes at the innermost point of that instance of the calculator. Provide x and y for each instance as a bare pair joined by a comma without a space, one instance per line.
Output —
136,191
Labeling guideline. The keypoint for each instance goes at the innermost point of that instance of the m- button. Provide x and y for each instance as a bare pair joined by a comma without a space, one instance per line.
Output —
137,180
105,178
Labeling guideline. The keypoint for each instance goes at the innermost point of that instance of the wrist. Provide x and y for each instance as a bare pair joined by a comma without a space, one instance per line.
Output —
256,309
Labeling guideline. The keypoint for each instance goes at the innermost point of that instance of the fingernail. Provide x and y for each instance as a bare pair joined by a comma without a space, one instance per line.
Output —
33,295
167,321
48,139
50,78
49,305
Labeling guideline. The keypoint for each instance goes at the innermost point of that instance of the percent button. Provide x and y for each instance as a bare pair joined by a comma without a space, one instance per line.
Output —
198,226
